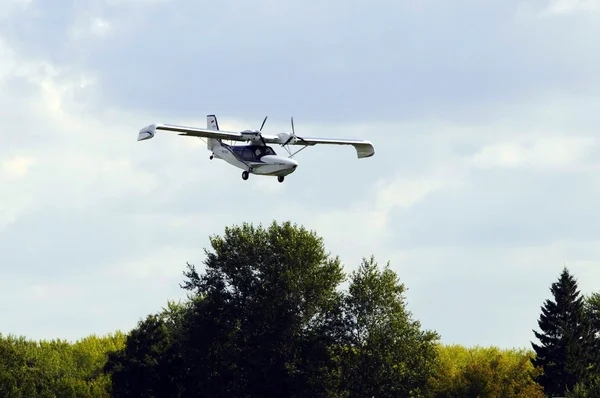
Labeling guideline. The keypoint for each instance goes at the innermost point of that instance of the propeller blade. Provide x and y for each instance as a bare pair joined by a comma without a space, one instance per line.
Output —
293,131
263,123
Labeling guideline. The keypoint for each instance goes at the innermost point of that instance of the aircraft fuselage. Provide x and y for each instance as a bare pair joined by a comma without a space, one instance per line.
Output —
256,159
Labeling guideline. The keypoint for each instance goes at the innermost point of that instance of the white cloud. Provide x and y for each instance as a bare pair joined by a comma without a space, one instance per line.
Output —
88,27
9,7
487,289
158,266
136,2
55,292
539,152
454,195
7,60
359,228
570,6
16,167
16,198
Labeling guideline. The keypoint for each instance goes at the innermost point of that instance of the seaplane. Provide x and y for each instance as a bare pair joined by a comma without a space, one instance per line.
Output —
255,157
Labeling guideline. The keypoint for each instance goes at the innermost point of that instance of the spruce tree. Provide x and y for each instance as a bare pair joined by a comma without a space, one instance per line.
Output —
566,338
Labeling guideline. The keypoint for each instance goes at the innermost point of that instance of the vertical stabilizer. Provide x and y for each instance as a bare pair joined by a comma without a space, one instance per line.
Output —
211,124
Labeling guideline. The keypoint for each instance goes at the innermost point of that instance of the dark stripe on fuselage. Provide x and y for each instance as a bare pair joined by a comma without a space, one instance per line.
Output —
240,150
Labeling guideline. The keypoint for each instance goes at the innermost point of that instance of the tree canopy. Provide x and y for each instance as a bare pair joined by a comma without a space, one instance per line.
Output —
271,313
269,318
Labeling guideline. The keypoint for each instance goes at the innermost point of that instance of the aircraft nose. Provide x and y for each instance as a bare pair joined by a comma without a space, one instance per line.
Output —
292,162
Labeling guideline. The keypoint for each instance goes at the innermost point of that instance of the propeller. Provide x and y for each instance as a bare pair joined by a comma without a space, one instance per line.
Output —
260,131
293,135
263,123
293,131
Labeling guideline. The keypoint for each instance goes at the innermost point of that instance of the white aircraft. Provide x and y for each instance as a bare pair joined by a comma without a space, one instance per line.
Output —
256,157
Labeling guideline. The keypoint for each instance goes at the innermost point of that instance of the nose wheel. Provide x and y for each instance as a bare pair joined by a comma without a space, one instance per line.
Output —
245,175
280,178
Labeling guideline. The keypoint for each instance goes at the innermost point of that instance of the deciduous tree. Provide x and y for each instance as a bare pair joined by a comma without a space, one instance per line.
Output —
386,353
261,328
485,373
150,363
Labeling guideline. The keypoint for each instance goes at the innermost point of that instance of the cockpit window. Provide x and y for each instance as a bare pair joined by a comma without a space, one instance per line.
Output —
254,153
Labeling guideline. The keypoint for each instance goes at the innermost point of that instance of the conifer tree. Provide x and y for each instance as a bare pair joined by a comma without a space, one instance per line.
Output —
566,338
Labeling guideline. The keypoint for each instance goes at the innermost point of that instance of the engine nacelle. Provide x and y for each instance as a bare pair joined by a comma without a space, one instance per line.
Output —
286,138
251,135
250,132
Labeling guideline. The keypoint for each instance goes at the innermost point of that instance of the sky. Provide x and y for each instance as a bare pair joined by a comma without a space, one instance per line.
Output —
484,183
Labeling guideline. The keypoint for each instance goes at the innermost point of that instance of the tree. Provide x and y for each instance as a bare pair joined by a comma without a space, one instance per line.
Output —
484,372
266,317
261,328
586,390
592,307
56,368
149,364
566,338
592,310
386,354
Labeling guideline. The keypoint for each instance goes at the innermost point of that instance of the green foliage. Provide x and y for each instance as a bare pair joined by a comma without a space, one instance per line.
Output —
592,310
56,368
484,372
386,353
149,364
144,366
592,307
263,326
267,317
567,340
586,390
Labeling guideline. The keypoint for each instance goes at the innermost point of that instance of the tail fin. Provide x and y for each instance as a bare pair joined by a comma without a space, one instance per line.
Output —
211,124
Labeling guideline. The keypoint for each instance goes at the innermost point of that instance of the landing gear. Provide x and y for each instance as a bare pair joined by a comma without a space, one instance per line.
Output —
211,157
280,178
245,175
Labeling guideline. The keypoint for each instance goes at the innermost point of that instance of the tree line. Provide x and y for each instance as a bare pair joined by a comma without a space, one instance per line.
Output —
268,316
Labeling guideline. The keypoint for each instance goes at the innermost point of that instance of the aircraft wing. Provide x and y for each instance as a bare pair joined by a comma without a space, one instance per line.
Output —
148,132
364,149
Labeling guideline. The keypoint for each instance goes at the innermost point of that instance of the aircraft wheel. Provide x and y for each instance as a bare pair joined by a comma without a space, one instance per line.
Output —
245,175
280,178
211,157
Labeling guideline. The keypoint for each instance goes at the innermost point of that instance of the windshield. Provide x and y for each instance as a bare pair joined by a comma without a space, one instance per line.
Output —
254,152
260,151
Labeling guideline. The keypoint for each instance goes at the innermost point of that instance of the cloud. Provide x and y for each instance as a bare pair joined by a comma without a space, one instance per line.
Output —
483,184
91,27
538,152
17,167
490,296
570,6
